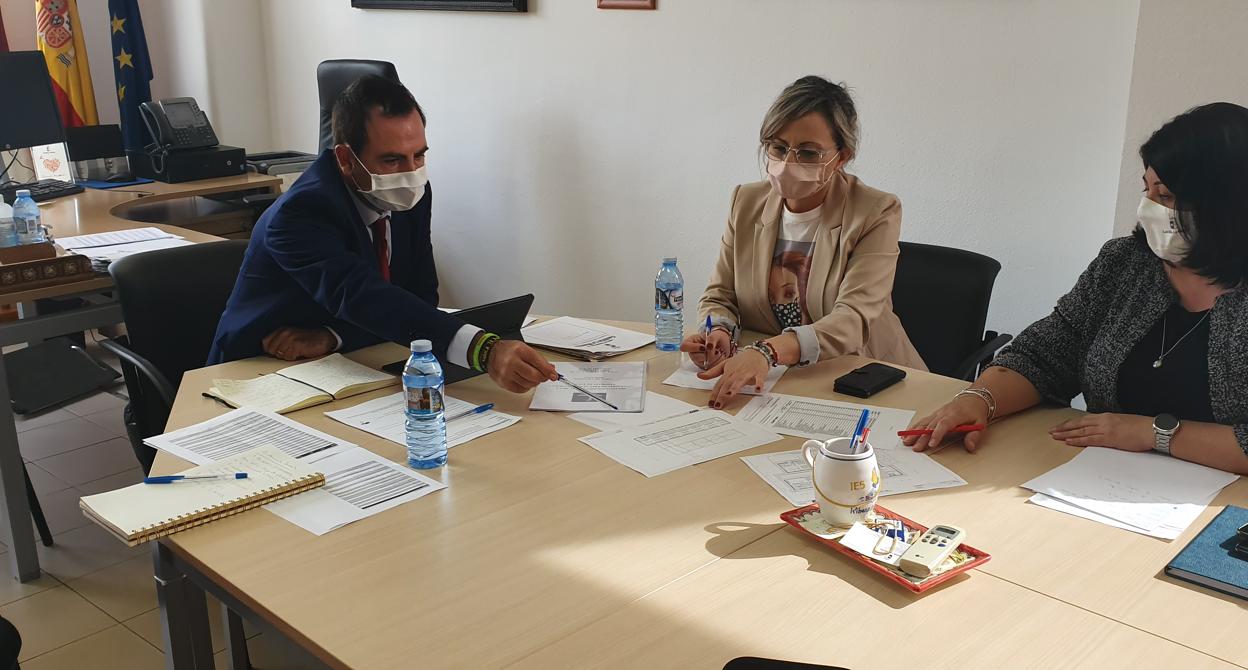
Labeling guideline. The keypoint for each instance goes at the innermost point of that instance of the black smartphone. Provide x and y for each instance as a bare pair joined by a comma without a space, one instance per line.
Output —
868,380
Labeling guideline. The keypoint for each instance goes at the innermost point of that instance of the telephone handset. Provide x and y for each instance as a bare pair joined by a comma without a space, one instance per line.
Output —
177,124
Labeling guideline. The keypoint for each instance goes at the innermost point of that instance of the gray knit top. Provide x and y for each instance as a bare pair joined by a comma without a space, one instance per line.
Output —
1083,343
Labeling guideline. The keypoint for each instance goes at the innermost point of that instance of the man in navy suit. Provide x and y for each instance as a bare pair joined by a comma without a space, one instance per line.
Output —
344,259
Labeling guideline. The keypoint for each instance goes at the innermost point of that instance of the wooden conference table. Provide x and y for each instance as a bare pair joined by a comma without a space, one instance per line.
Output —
544,553
94,211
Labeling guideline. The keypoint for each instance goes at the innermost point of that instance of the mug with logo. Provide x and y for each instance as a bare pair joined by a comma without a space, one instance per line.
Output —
846,485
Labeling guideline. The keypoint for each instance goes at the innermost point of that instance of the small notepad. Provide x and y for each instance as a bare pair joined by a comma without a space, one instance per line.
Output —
331,378
143,512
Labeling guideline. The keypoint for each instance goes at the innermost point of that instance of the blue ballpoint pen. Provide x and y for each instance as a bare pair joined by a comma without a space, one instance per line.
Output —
862,423
475,410
170,479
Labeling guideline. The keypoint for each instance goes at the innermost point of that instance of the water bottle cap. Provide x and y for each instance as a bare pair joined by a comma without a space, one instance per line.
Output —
22,192
422,346
669,259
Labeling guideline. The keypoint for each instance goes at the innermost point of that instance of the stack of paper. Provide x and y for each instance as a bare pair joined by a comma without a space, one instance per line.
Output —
104,248
1142,492
358,483
386,418
658,407
817,419
901,471
584,339
602,386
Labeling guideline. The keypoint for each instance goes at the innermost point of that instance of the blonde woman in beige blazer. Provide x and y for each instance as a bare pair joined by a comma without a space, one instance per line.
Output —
809,255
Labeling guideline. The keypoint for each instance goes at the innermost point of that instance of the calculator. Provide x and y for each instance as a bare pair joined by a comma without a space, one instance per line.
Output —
930,550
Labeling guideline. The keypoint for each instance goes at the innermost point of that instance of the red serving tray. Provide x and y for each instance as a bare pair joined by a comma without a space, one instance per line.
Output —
978,557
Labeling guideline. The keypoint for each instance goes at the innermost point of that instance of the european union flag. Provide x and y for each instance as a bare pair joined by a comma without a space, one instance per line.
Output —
132,69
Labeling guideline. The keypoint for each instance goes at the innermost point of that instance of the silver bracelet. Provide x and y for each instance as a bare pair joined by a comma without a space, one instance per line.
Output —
983,394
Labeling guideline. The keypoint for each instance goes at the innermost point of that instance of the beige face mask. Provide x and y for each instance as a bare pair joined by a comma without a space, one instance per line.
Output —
397,192
797,180
1161,228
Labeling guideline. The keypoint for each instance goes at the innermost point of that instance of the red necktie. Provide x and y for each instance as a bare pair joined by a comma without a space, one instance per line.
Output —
379,245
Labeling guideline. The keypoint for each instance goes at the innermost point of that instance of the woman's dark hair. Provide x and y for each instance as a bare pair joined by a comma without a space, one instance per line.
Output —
351,109
1201,156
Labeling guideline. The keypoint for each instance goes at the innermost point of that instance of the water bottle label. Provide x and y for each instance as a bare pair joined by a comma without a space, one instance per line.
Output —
671,298
424,400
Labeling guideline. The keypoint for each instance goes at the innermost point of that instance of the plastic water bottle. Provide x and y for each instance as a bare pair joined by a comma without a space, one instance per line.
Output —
423,385
26,219
669,305
8,234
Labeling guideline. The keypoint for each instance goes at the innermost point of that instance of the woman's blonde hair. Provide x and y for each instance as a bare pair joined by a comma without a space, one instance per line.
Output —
815,94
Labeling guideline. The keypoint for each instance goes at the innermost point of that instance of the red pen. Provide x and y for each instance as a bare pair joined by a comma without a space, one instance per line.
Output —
929,431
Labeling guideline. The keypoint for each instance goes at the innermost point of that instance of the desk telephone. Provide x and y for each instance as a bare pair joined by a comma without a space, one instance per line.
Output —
177,124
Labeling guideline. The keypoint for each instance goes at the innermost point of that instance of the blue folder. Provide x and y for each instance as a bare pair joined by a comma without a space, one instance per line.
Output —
1207,560
105,185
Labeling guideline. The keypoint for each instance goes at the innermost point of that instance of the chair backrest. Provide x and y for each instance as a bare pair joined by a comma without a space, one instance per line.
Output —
333,77
942,295
171,301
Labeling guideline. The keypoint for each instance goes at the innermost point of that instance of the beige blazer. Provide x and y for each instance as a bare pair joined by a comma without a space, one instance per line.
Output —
849,291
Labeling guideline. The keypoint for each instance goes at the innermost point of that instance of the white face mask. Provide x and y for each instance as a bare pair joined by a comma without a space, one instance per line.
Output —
396,192
1161,228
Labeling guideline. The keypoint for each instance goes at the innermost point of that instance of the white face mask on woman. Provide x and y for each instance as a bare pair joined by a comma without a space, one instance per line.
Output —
1161,228
797,180
396,192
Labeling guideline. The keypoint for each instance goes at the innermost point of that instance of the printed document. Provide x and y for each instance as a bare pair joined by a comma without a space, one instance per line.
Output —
358,484
578,336
658,406
675,442
686,376
242,430
902,471
1153,494
77,242
621,384
384,417
817,419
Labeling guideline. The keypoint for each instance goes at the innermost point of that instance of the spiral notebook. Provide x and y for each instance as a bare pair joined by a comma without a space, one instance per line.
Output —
143,512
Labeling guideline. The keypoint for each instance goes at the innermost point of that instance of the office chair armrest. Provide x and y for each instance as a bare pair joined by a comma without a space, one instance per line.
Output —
992,343
145,368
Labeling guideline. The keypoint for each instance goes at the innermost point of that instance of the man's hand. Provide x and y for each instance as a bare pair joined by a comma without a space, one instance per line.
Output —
517,367
291,344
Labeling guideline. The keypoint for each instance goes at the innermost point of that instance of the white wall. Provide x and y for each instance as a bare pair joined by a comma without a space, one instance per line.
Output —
1186,54
573,147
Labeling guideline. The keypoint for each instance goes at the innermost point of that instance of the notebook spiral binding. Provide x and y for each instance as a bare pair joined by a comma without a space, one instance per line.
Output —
228,508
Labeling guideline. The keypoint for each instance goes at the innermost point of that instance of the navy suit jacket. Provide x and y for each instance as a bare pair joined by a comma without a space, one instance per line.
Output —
311,263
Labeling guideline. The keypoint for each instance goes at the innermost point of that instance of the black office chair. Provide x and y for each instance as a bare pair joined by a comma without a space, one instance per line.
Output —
756,663
941,296
333,77
171,301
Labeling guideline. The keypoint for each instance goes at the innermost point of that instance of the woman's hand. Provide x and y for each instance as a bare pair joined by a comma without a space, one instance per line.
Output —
707,352
1128,432
961,411
748,367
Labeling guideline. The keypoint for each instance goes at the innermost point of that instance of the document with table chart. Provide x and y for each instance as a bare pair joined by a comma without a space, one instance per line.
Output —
902,471
241,430
621,384
675,442
581,337
358,484
817,419
686,376
658,406
1145,492
385,417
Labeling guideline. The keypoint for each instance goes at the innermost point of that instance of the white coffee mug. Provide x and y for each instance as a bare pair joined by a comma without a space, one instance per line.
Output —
846,485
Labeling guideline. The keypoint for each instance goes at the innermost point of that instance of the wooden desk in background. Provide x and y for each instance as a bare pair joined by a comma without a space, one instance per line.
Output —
544,553
92,211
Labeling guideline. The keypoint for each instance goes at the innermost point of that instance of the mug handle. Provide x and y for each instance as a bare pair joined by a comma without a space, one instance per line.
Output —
806,453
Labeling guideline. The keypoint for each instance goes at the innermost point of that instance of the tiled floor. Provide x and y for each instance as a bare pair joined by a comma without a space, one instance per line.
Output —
95,606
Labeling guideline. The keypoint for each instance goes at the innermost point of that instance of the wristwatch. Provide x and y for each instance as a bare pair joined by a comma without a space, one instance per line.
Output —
1165,426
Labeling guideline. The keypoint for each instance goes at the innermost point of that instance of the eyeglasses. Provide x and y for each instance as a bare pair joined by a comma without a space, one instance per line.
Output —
780,151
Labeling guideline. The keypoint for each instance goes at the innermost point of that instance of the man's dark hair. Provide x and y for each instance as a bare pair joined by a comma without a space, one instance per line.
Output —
351,109
1202,158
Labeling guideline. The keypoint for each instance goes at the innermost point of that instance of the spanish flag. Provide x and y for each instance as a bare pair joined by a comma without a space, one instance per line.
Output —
59,36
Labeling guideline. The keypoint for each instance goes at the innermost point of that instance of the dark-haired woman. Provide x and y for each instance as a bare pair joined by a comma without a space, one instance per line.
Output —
809,255
1155,332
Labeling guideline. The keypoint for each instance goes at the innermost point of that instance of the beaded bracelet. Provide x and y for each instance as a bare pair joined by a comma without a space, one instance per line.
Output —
769,352
481,349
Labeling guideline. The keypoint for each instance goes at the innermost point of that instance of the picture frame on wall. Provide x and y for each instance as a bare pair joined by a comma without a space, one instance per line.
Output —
446,5
626,4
